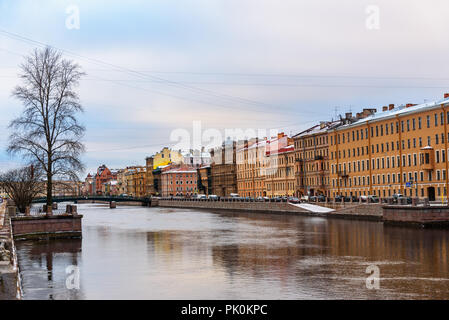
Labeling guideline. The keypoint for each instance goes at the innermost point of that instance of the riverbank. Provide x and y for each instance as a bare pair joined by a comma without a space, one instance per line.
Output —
372,212
9,272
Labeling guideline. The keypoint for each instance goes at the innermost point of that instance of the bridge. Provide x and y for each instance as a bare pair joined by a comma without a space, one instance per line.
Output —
144,200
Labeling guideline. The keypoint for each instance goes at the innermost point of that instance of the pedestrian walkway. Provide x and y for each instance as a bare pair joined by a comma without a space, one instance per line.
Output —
312,207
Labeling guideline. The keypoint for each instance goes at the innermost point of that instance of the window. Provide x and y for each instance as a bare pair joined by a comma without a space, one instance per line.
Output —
428,121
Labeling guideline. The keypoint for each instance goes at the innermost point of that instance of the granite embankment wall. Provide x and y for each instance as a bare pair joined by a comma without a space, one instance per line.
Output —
47,227
350,211
9,273
417,215
268,207
372,211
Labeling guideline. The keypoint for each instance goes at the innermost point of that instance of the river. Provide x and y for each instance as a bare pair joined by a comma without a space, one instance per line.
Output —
161,253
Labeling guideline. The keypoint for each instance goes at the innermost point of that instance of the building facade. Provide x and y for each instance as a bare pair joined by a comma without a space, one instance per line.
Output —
280,166
179,181
204,180
103,175
251,160
312,160
223,169
167,156
399,150
135,178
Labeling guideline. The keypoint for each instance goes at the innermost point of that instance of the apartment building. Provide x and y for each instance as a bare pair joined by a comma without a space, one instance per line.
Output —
279,167
223,169
179,181
251,159
402,149
312,159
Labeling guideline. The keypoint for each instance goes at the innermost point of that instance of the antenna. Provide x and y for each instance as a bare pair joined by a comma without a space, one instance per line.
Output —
336,111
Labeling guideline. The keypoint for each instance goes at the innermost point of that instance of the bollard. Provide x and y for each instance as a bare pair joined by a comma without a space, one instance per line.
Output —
11,211
414,202
74,210
49,210
112,205
27,211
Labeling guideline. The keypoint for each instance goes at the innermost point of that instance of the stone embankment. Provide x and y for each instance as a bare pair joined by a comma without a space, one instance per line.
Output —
9,276
349,211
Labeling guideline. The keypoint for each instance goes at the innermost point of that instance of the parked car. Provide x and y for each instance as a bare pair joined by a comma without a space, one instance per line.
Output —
318,198
212,197
234,195
266,199
373,199
293,200
398,196
342,198
304,198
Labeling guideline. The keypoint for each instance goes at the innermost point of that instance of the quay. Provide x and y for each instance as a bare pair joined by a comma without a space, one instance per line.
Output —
9,271
358,211
30,226
415,214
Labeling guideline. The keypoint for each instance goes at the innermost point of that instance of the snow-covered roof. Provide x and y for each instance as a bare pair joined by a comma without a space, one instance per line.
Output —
316,129
398,111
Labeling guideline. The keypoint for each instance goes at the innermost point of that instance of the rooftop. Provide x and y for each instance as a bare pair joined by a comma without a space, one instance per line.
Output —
397,111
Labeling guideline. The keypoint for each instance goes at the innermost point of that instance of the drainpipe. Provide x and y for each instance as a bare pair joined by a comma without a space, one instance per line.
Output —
445,147
400,154
369,159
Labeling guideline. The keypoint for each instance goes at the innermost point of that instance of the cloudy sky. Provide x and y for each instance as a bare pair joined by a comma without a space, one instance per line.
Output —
155,67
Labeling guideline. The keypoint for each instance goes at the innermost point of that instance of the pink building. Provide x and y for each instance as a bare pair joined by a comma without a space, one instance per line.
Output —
180,181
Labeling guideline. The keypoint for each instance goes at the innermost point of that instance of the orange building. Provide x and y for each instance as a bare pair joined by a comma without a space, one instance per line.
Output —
399,150
251,159
312,159
279,167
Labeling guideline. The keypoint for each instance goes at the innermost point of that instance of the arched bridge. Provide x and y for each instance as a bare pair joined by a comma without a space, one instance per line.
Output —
144,201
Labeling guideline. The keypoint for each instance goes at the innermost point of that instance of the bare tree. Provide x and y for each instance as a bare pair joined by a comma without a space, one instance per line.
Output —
48,133
22,185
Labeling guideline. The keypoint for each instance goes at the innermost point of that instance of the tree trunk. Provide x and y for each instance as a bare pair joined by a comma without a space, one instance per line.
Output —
49,191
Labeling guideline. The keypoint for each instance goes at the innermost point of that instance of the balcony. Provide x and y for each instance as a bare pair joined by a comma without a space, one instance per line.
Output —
427,158
343,173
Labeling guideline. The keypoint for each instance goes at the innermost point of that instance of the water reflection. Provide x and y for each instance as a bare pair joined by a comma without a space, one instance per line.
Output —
157,253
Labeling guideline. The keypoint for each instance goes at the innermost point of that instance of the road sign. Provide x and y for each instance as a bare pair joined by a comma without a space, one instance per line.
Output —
408,184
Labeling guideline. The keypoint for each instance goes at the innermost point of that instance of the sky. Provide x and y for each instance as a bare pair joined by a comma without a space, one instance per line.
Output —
158,68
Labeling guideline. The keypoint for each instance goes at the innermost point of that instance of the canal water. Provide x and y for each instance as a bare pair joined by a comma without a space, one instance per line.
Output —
161,253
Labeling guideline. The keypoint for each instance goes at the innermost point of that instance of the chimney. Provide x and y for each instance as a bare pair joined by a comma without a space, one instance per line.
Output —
446,95
280,135
348,115
322,124
408,105
384,108
391,106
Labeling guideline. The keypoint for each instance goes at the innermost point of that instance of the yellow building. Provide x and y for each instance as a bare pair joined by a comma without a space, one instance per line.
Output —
251,161
312,159
136,181
279,166
399,150
167,156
